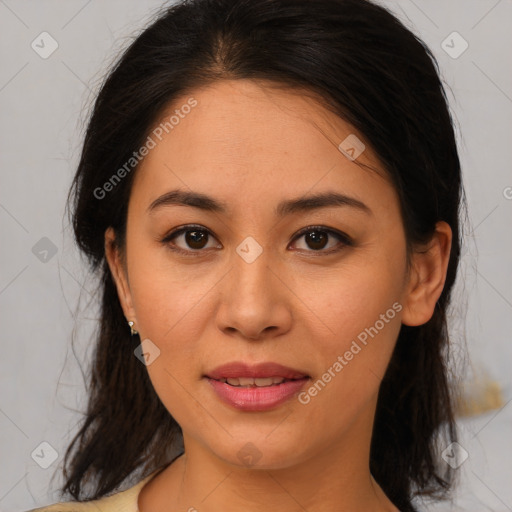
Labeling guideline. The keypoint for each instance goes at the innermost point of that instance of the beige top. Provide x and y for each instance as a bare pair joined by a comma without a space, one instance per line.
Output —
124,501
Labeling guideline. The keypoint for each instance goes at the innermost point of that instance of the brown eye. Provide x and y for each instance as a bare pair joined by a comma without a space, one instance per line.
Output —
196,239
317,239
188,239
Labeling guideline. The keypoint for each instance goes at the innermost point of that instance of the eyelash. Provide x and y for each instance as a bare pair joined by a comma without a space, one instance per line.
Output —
344,239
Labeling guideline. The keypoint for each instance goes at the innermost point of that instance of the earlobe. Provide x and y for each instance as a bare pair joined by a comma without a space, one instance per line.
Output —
118,274
427,277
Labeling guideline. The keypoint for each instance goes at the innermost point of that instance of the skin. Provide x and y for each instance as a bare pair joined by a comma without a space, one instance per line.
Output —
251,145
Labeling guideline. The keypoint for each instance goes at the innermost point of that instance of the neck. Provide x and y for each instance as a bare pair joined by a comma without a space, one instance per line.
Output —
330,478
207,485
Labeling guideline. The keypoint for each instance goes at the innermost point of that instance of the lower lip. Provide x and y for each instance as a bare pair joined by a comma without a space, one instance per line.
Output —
257,398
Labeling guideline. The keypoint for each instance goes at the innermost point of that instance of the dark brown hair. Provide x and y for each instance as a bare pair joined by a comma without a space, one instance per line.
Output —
376,75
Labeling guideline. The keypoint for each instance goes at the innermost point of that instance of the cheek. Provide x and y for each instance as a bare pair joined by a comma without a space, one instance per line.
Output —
352,359
170,310
361,308
353,298
173,312
166,294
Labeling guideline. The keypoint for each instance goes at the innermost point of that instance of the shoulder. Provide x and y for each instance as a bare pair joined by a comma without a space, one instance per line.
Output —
114,503
124,501
110,504
71,506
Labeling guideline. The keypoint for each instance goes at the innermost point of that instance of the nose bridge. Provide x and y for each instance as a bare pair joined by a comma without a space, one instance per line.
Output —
252,302
251,267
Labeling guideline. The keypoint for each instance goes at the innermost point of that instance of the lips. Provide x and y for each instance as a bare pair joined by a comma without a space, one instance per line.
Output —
253,382
245,373
255,388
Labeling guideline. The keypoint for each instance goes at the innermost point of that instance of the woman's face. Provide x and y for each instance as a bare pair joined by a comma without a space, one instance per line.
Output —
243,285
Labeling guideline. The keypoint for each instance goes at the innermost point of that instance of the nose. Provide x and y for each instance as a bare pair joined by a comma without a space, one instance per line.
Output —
255,302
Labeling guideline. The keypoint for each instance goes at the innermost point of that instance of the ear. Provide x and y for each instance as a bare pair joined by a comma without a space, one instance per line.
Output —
427,277
118,271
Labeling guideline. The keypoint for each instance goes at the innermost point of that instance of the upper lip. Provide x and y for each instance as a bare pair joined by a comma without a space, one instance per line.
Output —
237,369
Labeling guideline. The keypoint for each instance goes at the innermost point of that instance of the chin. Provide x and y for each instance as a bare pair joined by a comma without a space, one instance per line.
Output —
255,452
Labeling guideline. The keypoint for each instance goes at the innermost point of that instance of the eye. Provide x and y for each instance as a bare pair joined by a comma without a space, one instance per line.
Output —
194,236
317,238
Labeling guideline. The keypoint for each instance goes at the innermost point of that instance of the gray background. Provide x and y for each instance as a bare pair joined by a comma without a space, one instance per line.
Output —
44,103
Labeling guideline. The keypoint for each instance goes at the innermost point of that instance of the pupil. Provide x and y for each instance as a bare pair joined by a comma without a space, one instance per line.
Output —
316,239
196,238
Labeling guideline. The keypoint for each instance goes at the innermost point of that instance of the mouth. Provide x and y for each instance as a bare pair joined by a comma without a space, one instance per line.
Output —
249,382
255,388
238,373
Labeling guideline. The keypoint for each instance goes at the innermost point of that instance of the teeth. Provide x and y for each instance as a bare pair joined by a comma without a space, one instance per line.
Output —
249,382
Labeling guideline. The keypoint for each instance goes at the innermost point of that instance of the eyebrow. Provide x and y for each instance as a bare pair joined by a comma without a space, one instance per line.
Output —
286,207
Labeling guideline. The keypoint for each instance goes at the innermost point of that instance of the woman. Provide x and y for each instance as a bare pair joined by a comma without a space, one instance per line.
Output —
270,191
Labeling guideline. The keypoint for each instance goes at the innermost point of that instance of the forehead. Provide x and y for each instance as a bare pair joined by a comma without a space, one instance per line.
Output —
246,116
244,137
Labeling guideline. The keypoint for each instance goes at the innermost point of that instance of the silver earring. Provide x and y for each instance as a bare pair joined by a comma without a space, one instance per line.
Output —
132,330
